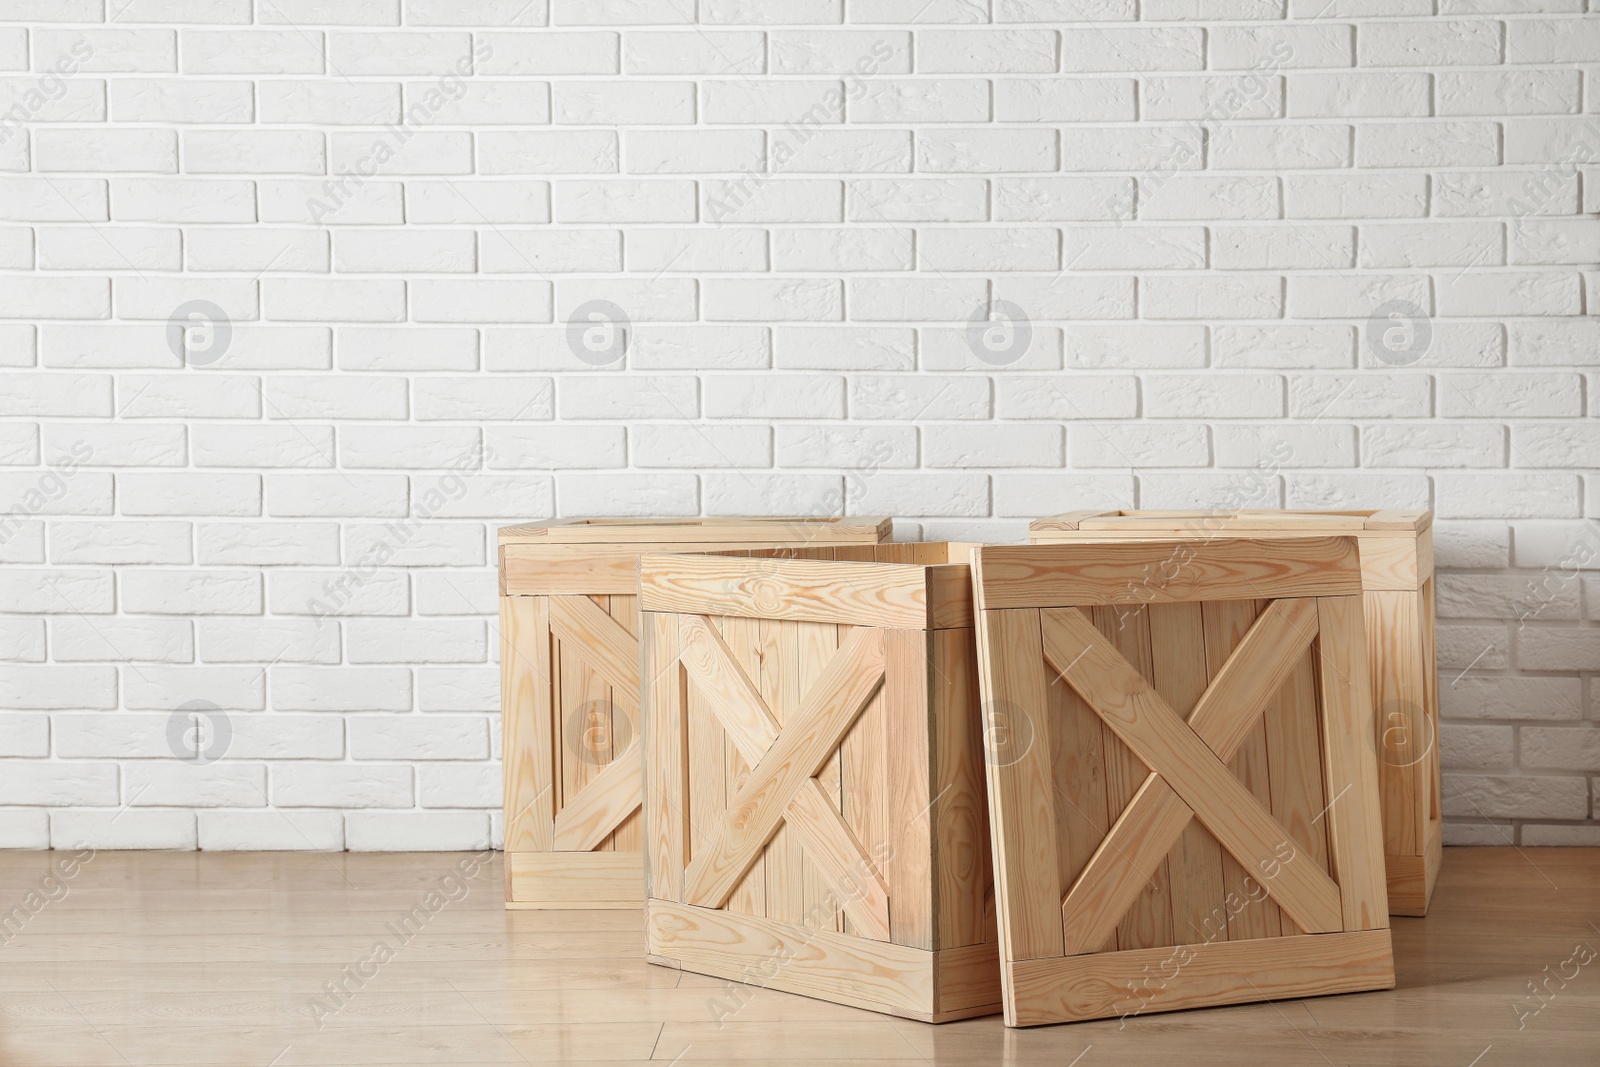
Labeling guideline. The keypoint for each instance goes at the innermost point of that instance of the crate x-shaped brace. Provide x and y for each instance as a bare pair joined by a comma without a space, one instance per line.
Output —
585,820
781,788
1189,776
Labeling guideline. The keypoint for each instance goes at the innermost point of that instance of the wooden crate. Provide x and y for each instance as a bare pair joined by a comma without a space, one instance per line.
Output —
815,818
569,692
1190,816
1397,575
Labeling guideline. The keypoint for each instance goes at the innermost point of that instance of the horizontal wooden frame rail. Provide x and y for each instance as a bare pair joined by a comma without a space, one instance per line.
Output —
922,595
1396,546
712,530
1169,572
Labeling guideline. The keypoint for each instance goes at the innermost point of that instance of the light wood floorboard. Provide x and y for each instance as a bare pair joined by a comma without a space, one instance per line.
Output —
216,958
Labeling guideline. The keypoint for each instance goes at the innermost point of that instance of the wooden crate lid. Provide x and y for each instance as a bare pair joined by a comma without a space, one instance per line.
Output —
907,585
1234,522
714,529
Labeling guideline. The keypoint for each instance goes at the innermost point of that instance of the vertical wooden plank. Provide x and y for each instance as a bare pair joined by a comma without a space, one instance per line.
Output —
1077,739
779,684
1355,833
527,736
667,755
706,789
1432,818
863,765
1178,659
1428,802
1021,804
743,637
816,644
1148,923
1294,756
629,834
1393,619
1251,914
960,813
909,734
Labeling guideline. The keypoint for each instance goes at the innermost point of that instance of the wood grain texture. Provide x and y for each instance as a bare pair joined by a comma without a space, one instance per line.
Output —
876,975
910,741
1355,830
856,594
1153,731
1120,984
1428,800
1393,621
1234,521
709,530
664,705
609,880
779,682
1397,557
743,641
1021,801
1294,756
958,804
600,807
627,724
864,782
581,578
607,646
1229,624
1078,742
527,734
1156,824
890,765
1179,675
816,645
753,813
1146,917
1151,572
1120,871
582,719
752,730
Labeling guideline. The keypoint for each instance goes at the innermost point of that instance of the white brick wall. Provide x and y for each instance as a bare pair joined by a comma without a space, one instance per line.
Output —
1193,220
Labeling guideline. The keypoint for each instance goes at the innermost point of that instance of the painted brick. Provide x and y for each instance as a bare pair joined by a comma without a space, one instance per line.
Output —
822,221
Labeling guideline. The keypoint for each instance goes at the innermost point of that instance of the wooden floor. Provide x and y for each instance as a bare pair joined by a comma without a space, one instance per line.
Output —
219,958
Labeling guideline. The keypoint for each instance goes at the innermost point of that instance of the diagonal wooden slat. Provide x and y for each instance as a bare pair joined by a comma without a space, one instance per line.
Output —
753,729
1155,819
610,797
1235,700
817,728
730,692
1170,748
602,642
